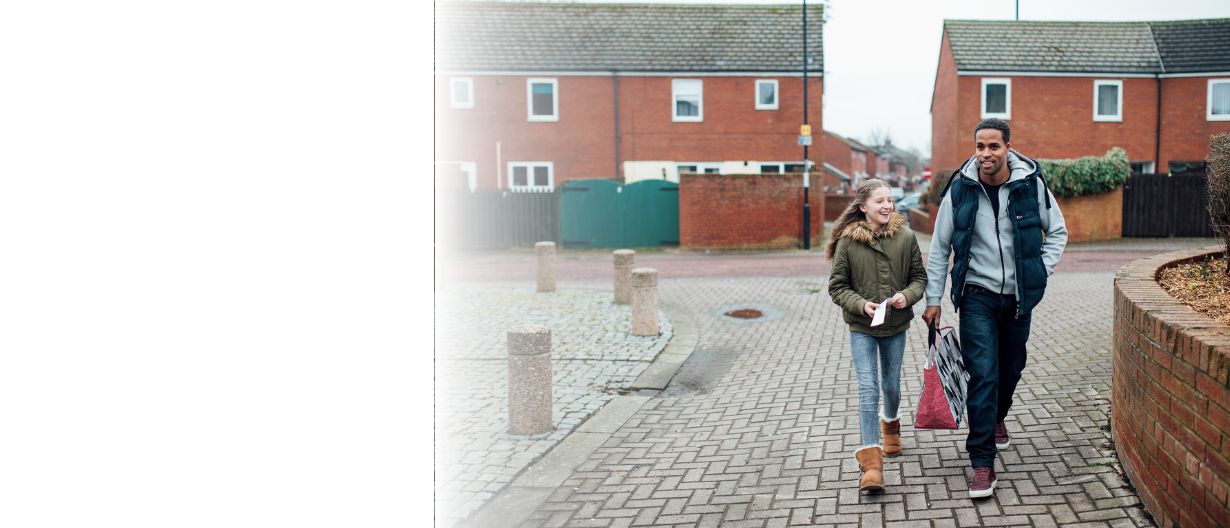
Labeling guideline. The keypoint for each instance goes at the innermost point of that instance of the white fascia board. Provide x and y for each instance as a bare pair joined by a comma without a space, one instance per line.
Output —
628,73
1207,74
1053,74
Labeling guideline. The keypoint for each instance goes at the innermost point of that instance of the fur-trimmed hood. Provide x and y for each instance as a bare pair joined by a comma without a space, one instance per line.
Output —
861,231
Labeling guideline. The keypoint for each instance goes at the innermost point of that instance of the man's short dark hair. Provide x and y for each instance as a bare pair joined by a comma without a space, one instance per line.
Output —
997,124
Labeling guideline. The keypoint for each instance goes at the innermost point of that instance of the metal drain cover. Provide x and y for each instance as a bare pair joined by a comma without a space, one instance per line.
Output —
749,312
745,313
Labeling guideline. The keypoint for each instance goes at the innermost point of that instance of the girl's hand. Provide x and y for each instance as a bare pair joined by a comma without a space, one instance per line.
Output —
870,309
898,301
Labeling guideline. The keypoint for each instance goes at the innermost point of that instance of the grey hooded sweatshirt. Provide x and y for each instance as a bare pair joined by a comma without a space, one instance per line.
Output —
992,262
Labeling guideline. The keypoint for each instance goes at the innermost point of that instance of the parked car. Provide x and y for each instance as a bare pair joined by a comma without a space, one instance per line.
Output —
907,202
897,192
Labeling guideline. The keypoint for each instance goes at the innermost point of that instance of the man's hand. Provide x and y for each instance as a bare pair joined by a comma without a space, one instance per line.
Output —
870,309
898,301
932,315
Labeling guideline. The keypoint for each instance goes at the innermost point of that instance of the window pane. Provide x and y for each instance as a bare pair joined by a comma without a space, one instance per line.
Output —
544,100
461,92
1108,100
1221,99
794,167
687,106
997,99
540,176
767,94
687,169
520,178
712,170
770,169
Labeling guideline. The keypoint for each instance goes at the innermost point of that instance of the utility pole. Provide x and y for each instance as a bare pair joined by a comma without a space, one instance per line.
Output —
805,139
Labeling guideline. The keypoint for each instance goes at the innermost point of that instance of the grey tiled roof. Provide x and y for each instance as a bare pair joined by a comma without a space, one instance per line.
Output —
1194,45
520,36
1119,47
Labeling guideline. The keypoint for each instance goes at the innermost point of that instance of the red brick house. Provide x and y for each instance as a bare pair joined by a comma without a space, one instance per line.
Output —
530,95
1069,89
846,162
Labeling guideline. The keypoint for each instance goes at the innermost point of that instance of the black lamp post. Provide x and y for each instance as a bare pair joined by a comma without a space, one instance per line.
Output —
806,167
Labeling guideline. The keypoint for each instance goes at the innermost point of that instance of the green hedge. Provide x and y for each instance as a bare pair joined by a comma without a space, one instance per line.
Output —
1066,177
1088,175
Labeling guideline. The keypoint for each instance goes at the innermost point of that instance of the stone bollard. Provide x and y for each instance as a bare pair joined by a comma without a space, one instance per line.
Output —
645,302
529,379
546,266
623,275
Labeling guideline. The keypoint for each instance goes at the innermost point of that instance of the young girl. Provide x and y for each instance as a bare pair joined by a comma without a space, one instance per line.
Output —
876,258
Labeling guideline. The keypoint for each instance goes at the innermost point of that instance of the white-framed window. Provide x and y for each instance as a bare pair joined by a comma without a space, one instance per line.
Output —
996,98
542,99
1108,100
697,168
1218,107
766,94
1141,167
531,175
781,167
461,92
687,100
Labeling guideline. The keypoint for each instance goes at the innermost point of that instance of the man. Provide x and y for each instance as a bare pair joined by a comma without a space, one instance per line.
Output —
1005,233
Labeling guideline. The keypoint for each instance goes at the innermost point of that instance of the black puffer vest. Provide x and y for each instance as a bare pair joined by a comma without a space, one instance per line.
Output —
1026,229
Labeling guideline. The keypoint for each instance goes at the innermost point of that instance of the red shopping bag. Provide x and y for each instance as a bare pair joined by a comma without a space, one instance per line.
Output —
945,380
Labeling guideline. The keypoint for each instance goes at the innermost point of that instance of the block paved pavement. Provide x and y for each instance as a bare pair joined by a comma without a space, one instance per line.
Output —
759,427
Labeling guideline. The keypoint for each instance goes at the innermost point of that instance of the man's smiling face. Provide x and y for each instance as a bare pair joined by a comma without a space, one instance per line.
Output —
991,152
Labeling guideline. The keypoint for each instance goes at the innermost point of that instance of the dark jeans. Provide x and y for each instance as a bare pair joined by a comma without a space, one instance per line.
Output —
993,347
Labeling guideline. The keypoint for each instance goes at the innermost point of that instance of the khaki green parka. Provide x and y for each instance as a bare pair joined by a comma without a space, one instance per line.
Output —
871,267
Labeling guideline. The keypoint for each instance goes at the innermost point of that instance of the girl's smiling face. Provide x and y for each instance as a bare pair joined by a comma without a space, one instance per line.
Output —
878,208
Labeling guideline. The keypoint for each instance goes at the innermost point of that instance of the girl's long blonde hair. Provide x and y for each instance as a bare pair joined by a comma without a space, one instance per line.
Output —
852,213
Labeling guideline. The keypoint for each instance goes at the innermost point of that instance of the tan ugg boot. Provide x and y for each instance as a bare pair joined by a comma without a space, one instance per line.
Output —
891,430
871,462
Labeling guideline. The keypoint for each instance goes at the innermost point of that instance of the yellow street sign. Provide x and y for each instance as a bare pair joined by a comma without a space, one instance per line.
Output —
805,130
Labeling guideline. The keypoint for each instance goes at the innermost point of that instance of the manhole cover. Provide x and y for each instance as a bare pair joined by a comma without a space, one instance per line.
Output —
745,313
748,312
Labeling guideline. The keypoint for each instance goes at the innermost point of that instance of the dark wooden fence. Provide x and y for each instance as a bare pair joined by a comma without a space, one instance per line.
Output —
1160,205
502,219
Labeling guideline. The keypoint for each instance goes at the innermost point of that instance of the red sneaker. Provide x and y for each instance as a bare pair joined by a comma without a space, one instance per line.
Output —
1002,440
983,484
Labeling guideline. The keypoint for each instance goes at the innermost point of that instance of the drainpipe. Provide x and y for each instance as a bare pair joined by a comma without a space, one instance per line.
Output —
1157,140
615,96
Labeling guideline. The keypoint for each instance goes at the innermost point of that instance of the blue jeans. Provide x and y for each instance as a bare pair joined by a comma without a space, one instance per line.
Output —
993,347
865,349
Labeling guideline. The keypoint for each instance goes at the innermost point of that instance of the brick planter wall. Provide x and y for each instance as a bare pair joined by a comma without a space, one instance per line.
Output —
746,211
1170,406
1093,217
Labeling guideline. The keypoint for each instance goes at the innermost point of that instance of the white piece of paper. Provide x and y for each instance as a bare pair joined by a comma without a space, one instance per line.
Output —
880,310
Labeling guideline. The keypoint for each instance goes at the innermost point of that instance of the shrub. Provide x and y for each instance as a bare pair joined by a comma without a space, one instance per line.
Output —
939,179
1088,175
1218,170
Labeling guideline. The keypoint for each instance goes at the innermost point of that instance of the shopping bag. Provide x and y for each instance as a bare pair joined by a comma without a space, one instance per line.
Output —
945,380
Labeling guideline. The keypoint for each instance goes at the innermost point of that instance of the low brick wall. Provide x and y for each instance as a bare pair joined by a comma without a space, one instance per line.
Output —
835,204
735,211
1093,217
1170,403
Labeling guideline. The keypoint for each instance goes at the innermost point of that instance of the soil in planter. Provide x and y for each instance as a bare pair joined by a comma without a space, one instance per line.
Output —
1203,286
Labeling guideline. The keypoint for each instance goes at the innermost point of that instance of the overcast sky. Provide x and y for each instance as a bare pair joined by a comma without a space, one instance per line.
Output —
880,56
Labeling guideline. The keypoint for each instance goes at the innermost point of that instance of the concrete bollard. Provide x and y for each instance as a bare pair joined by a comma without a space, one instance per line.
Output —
529,380
623,275
546,266
644,302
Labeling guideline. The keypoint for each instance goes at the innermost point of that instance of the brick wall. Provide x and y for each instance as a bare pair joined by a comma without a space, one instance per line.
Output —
1093,217
746,211
837,153
1170,404
947,148
835,204
1185,130
581,144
